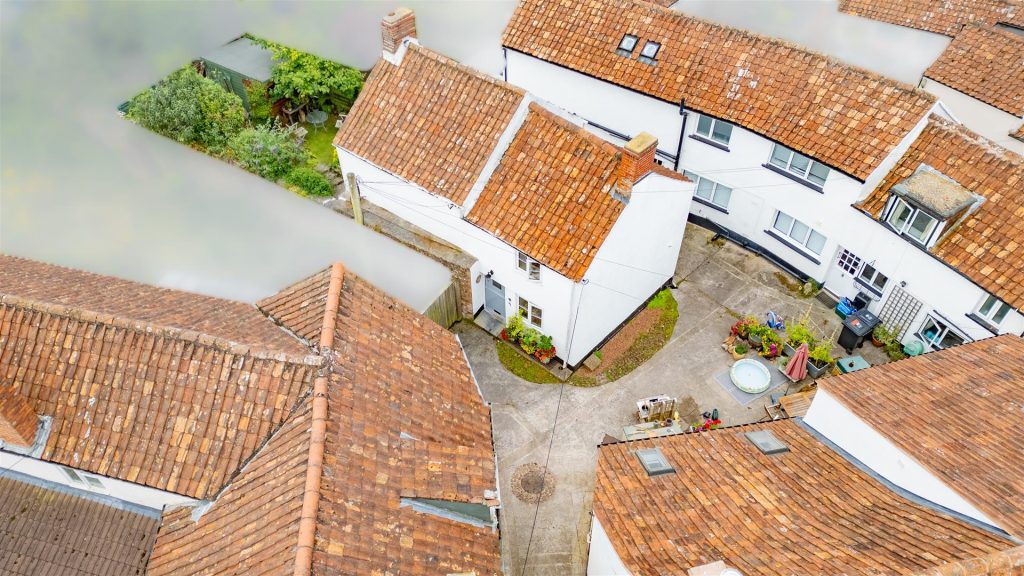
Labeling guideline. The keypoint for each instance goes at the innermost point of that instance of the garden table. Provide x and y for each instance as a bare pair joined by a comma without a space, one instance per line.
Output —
317,118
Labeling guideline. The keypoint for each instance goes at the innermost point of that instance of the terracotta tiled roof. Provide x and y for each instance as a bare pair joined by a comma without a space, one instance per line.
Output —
254,522
945,17
551,194
1018,133
987,245
227,319
1003,563
986,63
160,406
54,531
432,121
843,116
805,511
958,413
405,420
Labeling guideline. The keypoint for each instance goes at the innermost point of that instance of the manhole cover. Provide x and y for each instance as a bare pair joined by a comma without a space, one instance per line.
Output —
532,483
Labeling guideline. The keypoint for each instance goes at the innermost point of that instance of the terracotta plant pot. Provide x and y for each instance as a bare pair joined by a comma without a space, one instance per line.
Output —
815,372
878,343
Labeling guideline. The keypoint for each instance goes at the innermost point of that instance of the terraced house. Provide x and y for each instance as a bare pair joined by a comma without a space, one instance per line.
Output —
569,231
146,430
790,150
882,476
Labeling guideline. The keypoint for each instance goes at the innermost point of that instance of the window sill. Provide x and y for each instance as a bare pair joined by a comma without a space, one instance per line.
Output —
700,200
868,287
709,142
983,323
792,246
794,178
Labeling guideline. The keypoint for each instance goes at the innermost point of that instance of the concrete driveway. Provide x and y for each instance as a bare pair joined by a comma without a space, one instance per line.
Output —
560,426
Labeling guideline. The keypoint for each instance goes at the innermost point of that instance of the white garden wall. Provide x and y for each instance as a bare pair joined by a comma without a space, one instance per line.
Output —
127,491
833,420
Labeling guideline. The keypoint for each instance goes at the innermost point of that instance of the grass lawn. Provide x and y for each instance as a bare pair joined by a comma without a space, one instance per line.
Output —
319,141
522,366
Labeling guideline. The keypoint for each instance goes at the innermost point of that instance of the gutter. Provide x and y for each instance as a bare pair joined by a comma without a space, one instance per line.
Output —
682,131
314,466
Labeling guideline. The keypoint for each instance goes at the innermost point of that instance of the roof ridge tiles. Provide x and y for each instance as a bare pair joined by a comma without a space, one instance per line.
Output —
175,333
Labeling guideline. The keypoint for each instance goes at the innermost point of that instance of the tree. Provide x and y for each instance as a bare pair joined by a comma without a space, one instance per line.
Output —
190,109
305,78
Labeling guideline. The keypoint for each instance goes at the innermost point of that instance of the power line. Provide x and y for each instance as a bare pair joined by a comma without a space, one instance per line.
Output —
544,478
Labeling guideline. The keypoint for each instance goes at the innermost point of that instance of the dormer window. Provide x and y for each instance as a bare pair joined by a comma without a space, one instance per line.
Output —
913,222
626,45
650,52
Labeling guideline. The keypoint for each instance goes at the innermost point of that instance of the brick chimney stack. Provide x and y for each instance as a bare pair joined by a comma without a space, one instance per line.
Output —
637,161
395,27
18,421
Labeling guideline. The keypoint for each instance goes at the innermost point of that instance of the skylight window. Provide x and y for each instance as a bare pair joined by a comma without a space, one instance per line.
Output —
766,442
627,44
650,52
654,462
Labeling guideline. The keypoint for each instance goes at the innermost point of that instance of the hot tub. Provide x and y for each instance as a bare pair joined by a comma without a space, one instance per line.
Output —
750,376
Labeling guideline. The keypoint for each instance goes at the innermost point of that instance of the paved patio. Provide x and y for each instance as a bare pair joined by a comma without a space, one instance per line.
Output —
561,425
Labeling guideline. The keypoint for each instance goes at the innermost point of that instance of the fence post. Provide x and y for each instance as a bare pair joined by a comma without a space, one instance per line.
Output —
353,194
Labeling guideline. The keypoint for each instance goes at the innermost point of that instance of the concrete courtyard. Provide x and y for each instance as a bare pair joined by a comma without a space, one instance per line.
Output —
560,426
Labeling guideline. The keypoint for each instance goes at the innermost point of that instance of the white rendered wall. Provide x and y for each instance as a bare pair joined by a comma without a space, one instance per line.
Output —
638,257
127,491
987,120
552,293
836,422
604,560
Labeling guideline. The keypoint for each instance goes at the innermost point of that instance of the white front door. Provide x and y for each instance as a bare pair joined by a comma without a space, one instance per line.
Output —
841,276
494,298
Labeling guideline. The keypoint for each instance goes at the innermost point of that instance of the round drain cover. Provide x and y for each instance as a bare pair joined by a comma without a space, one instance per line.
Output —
532,483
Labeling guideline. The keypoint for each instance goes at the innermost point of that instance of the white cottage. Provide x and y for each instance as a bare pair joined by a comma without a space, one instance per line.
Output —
570,231
782,142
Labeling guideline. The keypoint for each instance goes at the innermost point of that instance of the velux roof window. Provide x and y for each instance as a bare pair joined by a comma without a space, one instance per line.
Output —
626,45
650,52
654,462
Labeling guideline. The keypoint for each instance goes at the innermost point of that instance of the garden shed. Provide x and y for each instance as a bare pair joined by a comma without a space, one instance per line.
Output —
238,61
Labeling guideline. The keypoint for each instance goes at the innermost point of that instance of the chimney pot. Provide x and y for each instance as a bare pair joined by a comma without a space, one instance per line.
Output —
397,26
637,161
18,421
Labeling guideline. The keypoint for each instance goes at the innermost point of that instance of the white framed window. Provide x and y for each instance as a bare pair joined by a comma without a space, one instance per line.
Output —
72,475
992,310
799,165
799,232
939,334
82,479
872,278
649,52
532,313
528,265
627,44
848,261
709,190
914,222
713,129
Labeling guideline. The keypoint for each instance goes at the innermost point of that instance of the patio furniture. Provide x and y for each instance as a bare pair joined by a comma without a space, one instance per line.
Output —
852,364
291,112
750,376
341,120
655,409
317,118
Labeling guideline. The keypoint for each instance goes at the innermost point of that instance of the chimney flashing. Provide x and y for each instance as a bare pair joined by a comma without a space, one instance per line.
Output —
38,443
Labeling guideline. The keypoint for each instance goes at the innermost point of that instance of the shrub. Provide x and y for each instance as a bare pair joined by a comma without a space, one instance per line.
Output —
514,328
269,151
259,102
895,350
822,354
305,78
309,181
190,109
742,348
798,333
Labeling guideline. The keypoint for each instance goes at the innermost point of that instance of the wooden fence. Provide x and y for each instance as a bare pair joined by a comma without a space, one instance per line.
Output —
445,309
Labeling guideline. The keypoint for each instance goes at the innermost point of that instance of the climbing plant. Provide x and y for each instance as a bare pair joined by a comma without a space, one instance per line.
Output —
305,78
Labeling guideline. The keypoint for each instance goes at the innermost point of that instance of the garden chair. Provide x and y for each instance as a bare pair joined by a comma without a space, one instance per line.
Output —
341,120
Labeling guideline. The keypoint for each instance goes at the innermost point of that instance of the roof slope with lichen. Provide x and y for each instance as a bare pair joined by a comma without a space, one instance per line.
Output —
804,511
986,63
846,117
987,246
947,17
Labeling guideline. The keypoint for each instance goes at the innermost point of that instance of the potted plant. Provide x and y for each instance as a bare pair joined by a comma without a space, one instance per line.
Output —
545,349
880,336
820,360
894,350
529,340
798,333
514,329
757,332
771,344
742,327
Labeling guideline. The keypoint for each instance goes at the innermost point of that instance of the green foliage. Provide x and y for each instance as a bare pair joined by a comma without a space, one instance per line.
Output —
190,109
269,151
895,350
530,340
514,328
260,104
822,354
662,300
523,367
544,343
742,348
599,354
304,78
798,333
759,330
309,181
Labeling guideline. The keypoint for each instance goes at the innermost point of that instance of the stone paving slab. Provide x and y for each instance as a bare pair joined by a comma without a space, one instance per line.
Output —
715,282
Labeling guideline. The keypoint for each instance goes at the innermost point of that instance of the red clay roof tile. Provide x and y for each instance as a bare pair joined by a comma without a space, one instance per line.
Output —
985,63
987,245
844,116
946,17
958,413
